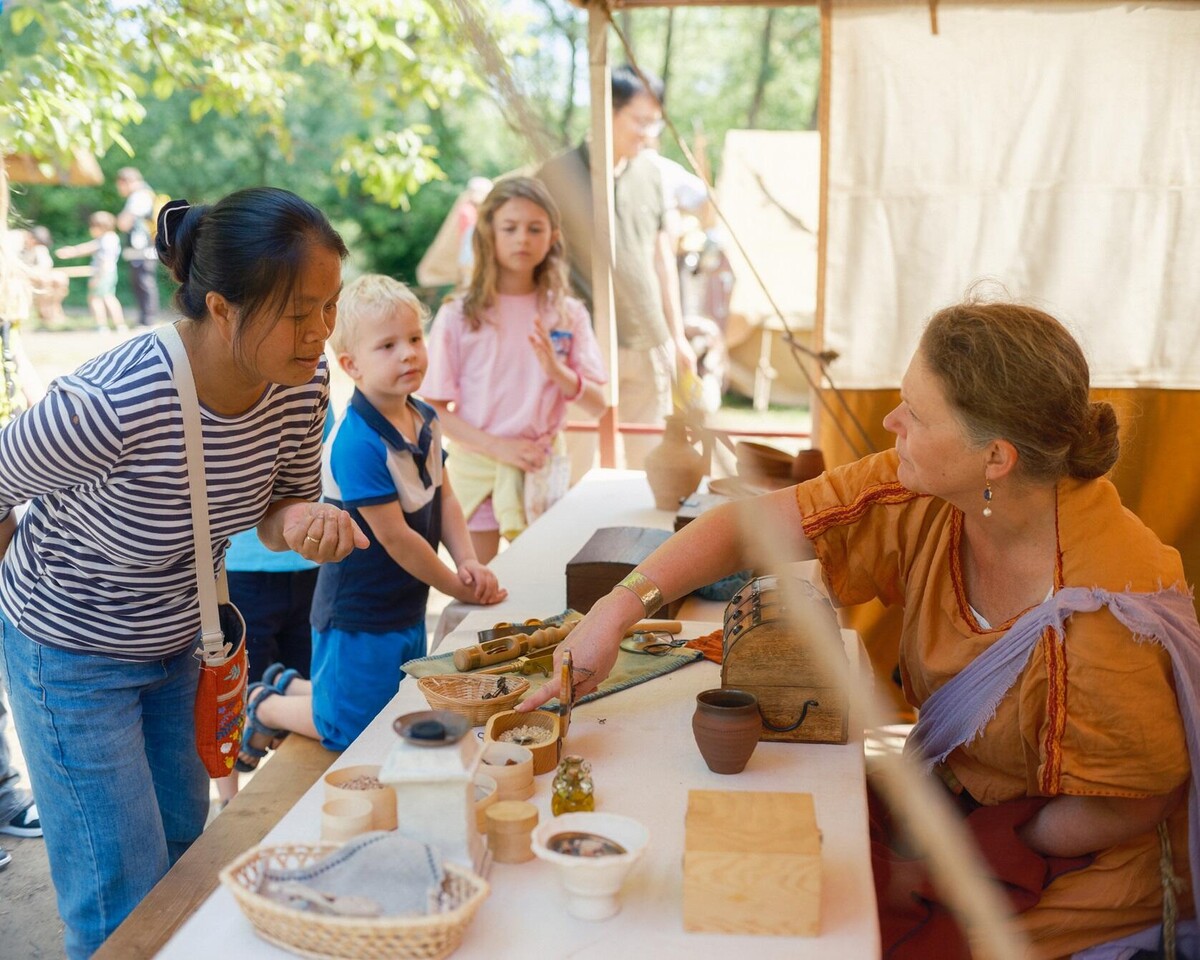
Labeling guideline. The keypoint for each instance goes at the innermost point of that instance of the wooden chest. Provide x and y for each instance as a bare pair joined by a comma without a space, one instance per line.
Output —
604,561
782,643
752,863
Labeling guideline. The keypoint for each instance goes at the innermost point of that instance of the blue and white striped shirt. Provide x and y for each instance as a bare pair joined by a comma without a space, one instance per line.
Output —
103,560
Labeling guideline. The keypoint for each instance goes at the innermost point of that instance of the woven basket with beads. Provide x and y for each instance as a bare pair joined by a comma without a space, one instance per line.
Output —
350,938
465,695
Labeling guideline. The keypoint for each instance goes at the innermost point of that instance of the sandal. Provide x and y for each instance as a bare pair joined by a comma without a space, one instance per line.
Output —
251,752
279,676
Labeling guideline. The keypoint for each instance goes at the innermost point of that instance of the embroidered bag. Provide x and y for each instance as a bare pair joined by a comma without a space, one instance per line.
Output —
220,709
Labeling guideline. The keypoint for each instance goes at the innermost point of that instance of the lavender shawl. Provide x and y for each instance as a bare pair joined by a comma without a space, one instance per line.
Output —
959,710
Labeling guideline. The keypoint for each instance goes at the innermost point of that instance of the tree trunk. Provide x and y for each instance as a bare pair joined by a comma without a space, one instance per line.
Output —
764,70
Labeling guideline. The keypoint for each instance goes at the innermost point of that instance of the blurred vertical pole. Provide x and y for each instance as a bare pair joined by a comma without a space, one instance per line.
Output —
824,95
603,248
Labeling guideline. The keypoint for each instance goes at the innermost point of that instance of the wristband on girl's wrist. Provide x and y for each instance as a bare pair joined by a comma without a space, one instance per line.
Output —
578,390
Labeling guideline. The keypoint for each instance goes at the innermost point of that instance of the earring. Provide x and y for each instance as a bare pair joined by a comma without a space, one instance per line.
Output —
987,497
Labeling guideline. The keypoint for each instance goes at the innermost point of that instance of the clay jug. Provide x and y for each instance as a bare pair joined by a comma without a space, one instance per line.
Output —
727,726
674,468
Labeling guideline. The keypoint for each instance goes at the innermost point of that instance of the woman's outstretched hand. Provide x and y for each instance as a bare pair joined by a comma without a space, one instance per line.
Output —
322,533
594,644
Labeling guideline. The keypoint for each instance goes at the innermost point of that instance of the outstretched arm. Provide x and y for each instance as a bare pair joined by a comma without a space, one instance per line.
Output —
413,553
712,546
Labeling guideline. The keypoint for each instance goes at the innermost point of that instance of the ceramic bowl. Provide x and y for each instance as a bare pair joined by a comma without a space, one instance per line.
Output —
382,798
763,465
592,884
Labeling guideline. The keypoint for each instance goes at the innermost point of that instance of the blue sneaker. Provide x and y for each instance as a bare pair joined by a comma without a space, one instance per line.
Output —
24,824
5,858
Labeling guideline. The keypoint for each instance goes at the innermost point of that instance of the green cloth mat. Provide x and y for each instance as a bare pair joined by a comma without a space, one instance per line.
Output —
629,670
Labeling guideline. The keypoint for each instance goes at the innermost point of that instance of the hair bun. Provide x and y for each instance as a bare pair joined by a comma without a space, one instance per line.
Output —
1097,447
174,236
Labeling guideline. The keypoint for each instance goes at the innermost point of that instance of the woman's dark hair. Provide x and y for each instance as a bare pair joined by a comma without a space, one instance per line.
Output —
1014,372
249,247
626,84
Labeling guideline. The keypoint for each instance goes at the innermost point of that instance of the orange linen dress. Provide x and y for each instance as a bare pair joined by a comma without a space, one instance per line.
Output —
1096,716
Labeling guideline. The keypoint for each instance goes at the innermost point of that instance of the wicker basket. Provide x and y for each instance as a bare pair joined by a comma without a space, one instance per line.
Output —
463,695
349,938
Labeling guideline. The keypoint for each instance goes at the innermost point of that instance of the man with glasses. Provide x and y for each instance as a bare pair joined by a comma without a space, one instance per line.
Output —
650,333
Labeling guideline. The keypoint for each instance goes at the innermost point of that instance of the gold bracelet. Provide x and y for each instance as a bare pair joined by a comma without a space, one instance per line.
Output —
645,590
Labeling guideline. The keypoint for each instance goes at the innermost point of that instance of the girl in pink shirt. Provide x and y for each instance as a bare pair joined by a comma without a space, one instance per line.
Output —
505,358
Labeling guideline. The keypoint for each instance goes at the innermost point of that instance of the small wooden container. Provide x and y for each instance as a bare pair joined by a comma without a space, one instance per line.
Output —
487,792
509,825
546,753
344,818
382,798
751,863
511,766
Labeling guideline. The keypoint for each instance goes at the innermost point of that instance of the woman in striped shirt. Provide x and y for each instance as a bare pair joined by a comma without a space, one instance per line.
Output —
98,607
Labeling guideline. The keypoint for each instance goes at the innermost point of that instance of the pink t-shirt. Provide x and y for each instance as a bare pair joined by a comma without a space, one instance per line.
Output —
492,374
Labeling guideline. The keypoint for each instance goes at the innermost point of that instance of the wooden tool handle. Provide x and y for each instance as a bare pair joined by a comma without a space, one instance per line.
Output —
490,651
503,649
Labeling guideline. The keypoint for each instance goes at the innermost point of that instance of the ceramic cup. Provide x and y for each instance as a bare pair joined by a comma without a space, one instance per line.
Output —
344,818
340,784
592,884
727,726
511,766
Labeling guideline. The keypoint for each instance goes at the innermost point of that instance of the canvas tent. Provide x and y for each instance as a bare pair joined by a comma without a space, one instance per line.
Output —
1053,146
769,191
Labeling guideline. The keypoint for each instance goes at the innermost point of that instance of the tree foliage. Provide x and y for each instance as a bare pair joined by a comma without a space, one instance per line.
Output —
362,106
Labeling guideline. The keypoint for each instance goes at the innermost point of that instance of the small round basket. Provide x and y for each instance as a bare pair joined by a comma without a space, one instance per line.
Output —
477,698
350,938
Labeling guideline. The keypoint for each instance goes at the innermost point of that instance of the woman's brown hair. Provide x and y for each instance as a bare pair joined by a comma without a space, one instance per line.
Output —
1013,372
550,276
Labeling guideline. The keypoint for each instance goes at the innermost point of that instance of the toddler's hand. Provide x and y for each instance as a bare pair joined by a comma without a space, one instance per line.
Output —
481,582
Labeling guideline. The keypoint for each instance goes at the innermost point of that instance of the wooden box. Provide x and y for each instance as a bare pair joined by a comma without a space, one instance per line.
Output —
792,659
752,864
691,507
604,561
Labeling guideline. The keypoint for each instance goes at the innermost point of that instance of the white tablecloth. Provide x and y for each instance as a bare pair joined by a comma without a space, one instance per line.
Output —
644,761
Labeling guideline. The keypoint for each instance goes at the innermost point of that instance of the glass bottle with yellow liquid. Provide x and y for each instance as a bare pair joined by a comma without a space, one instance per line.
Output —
572,787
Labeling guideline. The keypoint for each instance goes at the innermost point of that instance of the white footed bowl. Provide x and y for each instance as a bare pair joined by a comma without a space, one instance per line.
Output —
592,884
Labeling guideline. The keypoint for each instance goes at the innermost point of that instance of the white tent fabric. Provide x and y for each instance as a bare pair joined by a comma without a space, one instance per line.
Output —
1053,147
769,191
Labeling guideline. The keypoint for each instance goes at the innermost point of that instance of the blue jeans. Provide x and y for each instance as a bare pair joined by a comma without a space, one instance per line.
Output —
354,677
111,756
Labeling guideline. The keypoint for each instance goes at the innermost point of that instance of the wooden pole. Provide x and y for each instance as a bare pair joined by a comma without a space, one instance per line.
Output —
823,101
603,247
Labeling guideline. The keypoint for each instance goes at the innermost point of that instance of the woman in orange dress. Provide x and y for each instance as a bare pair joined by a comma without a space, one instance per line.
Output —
1064,625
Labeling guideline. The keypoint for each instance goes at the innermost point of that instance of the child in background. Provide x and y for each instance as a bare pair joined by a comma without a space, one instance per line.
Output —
105,249
383,463
505,359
